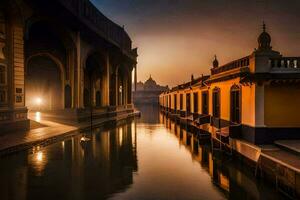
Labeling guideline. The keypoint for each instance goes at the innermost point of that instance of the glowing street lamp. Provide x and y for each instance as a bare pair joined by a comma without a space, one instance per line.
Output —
39,102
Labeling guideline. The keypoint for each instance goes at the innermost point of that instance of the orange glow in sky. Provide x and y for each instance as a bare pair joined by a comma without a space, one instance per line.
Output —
177,38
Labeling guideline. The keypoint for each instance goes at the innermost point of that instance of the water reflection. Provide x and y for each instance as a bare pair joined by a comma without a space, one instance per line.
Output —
151,159
236,181
72,169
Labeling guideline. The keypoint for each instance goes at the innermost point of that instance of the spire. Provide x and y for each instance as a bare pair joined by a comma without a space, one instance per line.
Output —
264,26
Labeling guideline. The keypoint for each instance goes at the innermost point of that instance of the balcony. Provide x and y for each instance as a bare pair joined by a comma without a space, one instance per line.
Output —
243,62
285,64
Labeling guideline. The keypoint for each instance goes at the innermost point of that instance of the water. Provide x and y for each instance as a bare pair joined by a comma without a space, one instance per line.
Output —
151,158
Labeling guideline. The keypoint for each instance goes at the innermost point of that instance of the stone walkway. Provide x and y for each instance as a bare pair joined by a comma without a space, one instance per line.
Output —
41,131
291,145
44,131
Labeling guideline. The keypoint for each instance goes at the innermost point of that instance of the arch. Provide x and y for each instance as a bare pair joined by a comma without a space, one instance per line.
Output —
44,82
94,77
45,36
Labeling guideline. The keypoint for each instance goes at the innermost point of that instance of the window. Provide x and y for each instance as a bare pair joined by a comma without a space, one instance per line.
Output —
196,102
235,104
216,102
2,75
205,103
170,102
181,101
175,102
188,103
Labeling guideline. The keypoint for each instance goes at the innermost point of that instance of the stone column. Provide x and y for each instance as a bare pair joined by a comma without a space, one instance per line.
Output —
129,94
107,80
135,76
79,84
117,86
260,105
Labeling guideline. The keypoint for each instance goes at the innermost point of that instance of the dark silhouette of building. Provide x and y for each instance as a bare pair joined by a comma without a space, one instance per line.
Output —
148,92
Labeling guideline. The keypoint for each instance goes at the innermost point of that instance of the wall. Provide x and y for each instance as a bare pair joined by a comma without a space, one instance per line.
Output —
282,107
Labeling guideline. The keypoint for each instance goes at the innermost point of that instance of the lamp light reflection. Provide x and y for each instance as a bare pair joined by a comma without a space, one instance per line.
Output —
38,116
39,156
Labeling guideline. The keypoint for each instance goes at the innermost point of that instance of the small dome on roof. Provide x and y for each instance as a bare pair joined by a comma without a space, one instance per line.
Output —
264,40
215,62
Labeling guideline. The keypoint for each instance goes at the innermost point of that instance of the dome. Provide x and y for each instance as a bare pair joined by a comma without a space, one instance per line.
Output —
215,62
150,82
264,39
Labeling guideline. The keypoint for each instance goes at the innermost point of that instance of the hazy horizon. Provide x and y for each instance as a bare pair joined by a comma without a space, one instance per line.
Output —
177,38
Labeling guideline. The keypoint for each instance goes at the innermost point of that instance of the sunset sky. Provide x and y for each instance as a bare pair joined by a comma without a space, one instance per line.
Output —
177,38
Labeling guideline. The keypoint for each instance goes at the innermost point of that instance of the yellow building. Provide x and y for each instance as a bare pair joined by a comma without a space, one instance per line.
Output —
256,97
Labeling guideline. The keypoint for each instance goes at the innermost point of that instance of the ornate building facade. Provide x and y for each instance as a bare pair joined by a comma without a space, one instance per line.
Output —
254,98
61,56
148,92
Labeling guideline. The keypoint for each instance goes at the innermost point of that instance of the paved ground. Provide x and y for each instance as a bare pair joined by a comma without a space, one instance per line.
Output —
283,157
43,131
40,130
292,145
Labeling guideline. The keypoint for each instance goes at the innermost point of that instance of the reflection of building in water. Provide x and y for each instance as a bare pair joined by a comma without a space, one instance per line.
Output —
149,113
234,180
72,169
148,92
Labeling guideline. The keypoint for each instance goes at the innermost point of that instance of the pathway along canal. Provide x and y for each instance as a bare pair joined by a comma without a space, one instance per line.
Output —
150,158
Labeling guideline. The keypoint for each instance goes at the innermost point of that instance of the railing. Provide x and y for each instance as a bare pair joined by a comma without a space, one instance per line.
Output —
285,63
85,10
243,62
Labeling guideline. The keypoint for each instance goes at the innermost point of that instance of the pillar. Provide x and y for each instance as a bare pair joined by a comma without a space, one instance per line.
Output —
107,82
79,84
129,96
117,86
260,105
135,76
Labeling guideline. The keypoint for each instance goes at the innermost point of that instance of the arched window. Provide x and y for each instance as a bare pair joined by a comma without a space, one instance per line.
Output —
216,103
205,100
235,104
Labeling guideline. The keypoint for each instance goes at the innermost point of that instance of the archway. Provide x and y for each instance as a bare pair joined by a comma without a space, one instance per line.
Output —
45,69
94,80
44,87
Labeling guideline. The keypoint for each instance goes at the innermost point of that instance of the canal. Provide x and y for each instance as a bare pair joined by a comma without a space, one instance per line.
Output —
148,158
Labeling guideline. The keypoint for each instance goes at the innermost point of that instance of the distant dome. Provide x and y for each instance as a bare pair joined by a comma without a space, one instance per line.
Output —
150,82
264,39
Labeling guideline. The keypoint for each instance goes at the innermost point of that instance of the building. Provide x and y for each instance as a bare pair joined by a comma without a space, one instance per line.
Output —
63,57
148,92
255,98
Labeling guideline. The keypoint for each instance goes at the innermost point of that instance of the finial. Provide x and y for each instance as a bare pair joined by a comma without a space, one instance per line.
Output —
264,26
215,57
